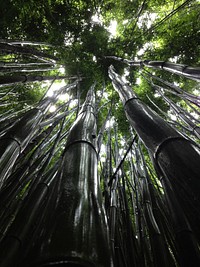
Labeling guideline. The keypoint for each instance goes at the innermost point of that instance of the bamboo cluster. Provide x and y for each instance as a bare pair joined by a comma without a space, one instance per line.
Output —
74,194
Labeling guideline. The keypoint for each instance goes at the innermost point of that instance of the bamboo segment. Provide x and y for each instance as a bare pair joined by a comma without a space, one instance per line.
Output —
77,234
180,69
12,244
177,159
16,139
11,80
24,50
177,90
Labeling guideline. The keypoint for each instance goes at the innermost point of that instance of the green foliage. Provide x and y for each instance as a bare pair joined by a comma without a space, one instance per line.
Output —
177,36
22,96
145,30
82,44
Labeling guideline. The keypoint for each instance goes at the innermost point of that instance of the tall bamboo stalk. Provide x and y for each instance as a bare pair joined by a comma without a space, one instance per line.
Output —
15,79
176,158
14,141
77,233
24,50
180,69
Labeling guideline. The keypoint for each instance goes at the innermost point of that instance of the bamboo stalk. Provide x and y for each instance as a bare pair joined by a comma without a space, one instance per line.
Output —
78,215
176,157
179,69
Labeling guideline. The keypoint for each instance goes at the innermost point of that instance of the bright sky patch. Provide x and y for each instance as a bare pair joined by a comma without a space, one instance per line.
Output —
112,28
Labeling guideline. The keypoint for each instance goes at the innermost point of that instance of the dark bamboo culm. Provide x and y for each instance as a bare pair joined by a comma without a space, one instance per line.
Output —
75,231
14,141
177,161
179,69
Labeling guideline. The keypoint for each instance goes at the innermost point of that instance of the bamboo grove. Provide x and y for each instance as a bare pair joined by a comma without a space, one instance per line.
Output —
75,192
